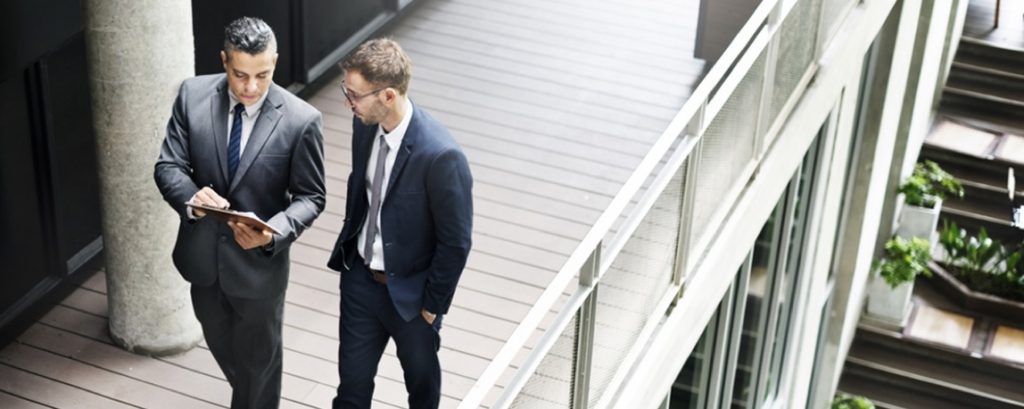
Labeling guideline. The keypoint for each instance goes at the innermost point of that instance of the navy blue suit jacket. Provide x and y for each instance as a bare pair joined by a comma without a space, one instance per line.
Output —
426,216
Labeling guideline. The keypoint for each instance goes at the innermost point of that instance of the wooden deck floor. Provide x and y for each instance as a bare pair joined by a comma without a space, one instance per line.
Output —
981,18
554,103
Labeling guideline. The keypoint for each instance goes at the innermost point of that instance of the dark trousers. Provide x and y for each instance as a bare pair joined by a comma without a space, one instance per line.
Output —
368,320
245,339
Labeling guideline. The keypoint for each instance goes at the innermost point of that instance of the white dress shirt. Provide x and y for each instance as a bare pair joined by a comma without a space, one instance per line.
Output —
252,112
394,141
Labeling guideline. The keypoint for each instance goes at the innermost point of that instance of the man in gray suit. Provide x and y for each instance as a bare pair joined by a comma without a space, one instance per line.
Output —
239,141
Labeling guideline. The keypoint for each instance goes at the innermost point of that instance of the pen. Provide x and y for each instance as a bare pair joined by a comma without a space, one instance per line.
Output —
210,185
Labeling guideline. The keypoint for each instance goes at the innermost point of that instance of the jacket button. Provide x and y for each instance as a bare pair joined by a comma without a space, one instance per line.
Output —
223,239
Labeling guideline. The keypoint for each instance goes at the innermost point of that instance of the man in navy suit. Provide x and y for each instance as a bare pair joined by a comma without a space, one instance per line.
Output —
408,222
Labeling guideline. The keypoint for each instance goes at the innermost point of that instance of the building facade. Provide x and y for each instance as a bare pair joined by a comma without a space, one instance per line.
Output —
731,269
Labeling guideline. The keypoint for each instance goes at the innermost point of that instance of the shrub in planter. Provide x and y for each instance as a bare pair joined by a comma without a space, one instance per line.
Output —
844,401
982,263
904,260
929,184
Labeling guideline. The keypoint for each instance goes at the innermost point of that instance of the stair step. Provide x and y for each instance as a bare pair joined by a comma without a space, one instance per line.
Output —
973,101
989,169
881,394
986,95
983,119
981,67
997,88
982,53
898,372
895,387
941,373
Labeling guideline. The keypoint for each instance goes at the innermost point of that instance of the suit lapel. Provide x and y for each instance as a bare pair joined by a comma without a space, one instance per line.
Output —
364,148
219,116
412,135
265,124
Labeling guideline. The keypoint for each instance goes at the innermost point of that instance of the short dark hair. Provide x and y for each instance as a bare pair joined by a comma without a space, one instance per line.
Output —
381,62
250,35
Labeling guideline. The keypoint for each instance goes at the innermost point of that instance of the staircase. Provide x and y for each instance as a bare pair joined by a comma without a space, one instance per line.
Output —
984,93
899,373
986,79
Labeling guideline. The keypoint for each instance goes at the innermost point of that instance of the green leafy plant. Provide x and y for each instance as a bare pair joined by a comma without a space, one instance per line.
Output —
977,253
982,263
844,401
929,184
904,260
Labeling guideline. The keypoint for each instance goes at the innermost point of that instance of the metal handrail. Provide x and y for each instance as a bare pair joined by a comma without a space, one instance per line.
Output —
720,71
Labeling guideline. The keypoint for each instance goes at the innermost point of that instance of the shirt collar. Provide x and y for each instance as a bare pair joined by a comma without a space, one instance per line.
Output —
394,138
251,110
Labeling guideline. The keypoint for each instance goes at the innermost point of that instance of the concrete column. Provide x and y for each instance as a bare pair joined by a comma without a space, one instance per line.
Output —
139,51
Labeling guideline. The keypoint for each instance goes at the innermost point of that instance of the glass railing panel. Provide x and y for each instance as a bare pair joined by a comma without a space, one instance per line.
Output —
636,281
832,16
726,150
796,39
551,385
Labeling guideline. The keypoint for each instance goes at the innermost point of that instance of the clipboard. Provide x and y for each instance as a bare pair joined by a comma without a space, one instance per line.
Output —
226,215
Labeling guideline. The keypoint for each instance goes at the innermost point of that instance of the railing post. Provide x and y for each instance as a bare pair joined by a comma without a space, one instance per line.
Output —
695,129
764,120
585,332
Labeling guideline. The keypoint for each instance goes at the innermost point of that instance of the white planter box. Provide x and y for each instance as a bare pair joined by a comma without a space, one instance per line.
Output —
916,221
887,305
891,306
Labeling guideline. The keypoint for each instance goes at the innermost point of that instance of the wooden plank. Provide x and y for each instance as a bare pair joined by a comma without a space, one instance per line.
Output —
461,123
97,282
103,382
609,168
508,193
546,61
499,286
449,71
49,392
197,359
319,278
10,401
290,404
87,301
581,53
602,164
119,361
522,24
552,242
647,25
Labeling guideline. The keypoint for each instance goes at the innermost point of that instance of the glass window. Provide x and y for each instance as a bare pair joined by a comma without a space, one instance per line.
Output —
755,312
798,227
691,387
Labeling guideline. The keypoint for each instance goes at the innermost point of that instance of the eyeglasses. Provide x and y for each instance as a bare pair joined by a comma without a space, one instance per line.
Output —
353,98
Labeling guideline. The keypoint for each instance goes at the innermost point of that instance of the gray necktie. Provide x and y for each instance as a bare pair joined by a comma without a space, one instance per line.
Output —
375,199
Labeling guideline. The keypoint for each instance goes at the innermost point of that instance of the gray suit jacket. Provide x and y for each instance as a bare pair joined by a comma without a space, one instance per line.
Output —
280,178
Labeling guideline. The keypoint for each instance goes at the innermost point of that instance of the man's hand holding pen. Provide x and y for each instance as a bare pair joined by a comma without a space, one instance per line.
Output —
208,197
248,237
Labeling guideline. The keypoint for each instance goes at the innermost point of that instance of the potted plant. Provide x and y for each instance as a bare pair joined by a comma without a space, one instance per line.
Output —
890,290
923,194
844,401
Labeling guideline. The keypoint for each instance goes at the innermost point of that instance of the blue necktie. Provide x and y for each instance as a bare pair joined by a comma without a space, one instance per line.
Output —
235,142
